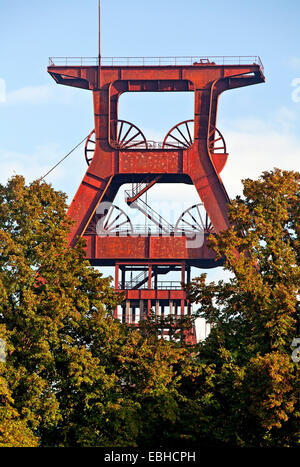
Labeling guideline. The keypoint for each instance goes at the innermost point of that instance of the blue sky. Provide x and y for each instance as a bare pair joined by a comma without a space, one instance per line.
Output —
41,121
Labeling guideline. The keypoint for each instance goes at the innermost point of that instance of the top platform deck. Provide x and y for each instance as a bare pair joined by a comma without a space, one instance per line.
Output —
157,61
166,73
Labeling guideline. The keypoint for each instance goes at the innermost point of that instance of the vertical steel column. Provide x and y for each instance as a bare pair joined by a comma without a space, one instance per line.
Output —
149,287
156,308
116,287
182,280
141,309
188,280
127,314
123,272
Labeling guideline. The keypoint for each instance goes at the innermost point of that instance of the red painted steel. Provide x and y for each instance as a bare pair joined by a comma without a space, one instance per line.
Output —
111,166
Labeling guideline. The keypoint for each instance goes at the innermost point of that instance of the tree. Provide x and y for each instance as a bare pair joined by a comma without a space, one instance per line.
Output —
248,392
14,432
73,376
48,294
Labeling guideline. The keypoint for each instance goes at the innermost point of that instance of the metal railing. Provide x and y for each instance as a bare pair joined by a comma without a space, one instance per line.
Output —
161,223
161,285
136,188
158,61
140,230
137,145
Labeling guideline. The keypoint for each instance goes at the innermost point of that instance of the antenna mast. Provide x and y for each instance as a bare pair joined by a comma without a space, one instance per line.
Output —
99,44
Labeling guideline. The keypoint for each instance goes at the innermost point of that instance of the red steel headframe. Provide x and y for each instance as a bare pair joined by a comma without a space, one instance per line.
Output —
110,167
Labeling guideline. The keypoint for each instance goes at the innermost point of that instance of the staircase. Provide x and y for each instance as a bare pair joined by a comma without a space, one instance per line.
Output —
140,279
139,189
132,198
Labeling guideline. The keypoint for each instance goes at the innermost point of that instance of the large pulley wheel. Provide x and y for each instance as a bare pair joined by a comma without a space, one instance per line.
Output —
194,220
89,148
180,136
126,135
110,219
216,142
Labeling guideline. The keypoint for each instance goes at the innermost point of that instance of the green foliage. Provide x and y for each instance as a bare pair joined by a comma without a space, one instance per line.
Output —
14,431
178,328
254,317
74,376
50,300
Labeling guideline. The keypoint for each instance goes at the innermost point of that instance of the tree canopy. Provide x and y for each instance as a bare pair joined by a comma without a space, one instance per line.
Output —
255,316
74,376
